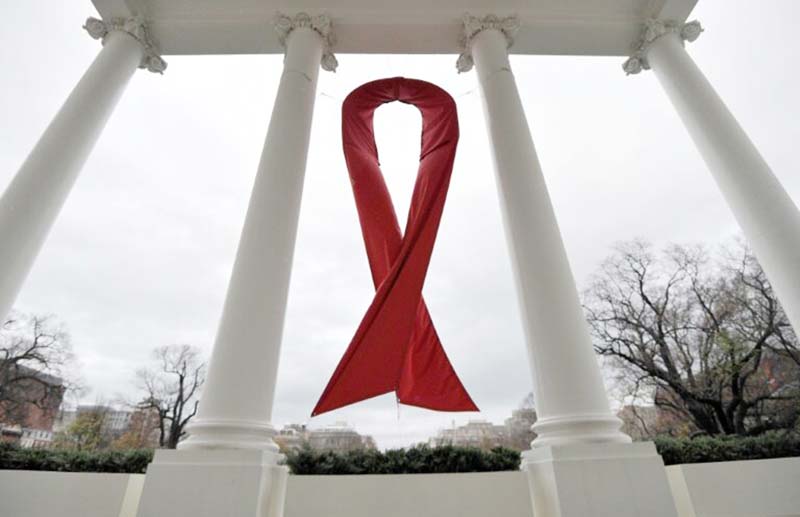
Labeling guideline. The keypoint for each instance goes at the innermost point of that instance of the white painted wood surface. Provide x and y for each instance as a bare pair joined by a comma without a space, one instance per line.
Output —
554,27
756,488
68,494
417,495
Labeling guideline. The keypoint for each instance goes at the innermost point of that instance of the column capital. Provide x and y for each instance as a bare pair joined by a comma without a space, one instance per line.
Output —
321,24
474,25
652,30
135,27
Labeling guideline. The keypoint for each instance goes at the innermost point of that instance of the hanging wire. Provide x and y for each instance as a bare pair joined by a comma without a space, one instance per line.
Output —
468,92
329,96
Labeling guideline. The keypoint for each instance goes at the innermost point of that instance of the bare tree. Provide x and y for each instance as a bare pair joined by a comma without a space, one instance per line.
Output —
706,338
35,356
529,402
172,388
519,432
88,432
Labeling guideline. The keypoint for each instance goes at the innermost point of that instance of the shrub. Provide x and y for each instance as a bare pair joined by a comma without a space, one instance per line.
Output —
704,449
415,460
132,461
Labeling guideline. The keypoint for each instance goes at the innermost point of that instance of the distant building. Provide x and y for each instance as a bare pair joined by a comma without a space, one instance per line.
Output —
10,433
338,437
115,421
30,422
143,428
514,433
63,420
519,428
291,437
476,433
639,422
140,427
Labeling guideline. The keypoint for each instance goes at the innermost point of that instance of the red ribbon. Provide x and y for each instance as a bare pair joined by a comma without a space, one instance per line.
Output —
396,347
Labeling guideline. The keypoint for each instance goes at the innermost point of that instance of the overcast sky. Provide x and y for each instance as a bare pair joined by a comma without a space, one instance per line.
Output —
142,252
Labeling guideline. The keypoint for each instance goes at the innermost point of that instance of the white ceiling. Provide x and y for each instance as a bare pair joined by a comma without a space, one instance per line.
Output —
562,27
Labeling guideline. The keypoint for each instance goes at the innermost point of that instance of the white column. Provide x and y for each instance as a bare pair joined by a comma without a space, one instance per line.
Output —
236,406
765,212
33,199
581,463
570,397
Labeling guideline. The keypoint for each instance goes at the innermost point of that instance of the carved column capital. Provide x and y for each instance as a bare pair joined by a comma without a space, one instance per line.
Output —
652,30
321,24
135,27
473,25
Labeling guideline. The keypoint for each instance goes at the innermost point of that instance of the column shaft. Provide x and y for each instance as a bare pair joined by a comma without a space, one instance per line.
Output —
236,407
33,199
761,206
570,396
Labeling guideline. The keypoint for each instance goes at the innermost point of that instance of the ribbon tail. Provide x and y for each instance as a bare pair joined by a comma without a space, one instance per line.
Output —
428,379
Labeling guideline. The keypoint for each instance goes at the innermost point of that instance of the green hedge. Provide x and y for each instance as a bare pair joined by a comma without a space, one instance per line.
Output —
416,460
704,449
125,462
423,459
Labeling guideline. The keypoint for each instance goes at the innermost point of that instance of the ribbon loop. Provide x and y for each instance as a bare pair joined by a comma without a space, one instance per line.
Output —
396,347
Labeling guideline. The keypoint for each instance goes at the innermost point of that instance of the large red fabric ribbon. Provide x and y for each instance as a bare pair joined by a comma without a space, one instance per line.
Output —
396,347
